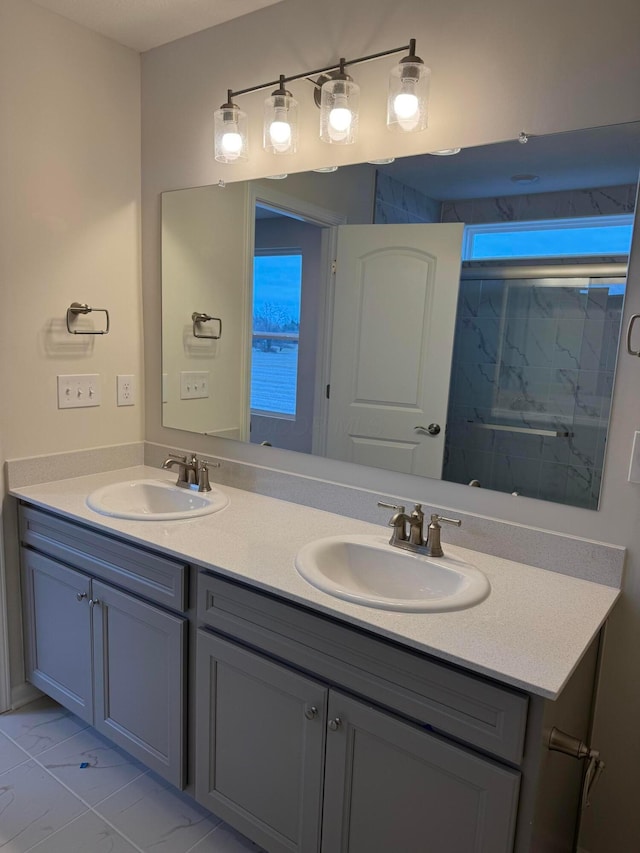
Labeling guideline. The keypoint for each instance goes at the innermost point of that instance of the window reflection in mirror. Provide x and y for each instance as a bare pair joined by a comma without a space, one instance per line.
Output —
510,353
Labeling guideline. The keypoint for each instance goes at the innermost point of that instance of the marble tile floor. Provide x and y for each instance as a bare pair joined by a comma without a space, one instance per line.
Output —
50,804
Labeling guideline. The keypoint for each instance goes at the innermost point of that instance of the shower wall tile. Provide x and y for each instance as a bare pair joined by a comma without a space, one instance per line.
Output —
554,205
397,203
539,357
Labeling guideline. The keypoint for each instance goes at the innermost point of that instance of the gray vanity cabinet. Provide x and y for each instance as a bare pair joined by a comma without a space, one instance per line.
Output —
260,745
114,659
390,785
138,659
58,628
298,764
300,767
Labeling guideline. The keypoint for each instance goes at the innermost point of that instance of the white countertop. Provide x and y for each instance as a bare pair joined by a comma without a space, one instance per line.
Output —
530,632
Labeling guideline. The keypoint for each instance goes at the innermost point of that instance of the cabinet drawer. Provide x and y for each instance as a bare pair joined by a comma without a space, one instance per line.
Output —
150,575
479,712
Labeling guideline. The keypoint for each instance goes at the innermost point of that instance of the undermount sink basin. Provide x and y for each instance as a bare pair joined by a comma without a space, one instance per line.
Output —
154,500
367,570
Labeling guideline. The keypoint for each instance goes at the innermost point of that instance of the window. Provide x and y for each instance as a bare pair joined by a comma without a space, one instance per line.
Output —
277,287
554,238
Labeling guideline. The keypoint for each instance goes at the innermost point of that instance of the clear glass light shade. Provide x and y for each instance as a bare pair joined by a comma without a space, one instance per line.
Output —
280,133
339,112
230,128
408,96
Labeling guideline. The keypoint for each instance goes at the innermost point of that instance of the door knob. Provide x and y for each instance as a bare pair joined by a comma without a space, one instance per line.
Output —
81,595
311,712
335,724
94,602
432,429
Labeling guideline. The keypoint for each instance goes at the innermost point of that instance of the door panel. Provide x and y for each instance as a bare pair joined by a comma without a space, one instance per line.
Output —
259,746
139,679
59,632
396,293
390,785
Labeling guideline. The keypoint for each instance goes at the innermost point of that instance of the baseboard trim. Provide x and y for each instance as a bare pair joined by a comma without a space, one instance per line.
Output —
22,694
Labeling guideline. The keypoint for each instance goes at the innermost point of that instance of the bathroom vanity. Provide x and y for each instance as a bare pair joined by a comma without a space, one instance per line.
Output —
310,723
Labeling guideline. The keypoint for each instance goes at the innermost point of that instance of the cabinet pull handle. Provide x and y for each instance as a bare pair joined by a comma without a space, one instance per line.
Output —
311,712
335,724
81,595
94,602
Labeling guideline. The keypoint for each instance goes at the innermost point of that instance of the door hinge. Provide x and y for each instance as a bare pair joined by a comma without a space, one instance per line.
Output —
328,391
334,267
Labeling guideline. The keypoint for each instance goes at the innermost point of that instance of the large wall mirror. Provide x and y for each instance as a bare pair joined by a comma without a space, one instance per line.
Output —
454,317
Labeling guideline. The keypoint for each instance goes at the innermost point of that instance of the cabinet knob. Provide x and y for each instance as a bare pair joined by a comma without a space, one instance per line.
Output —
94,602
81,595
311,712
335,724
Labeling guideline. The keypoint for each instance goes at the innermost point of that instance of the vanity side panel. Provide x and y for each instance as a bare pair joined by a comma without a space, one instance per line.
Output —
552,782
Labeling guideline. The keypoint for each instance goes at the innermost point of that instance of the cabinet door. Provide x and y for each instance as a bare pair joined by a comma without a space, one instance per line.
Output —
138,655
259,745
390,785
58,632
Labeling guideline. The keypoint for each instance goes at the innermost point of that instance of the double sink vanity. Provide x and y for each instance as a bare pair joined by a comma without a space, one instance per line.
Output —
312,684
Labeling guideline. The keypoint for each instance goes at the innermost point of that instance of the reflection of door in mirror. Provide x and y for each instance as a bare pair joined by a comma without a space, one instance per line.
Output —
396,292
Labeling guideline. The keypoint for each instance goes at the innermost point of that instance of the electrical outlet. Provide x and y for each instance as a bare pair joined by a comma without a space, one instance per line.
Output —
78,391
194,384
126,390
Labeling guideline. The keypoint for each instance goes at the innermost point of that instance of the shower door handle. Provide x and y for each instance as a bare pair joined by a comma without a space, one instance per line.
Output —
632,320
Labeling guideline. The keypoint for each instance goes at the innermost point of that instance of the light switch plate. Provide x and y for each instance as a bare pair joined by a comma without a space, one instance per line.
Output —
194,384
634,467
78,391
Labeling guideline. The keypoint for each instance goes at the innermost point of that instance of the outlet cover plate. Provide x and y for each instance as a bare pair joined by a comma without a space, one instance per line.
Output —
126,390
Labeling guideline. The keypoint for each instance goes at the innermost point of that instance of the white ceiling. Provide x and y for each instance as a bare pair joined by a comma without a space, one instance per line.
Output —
143,24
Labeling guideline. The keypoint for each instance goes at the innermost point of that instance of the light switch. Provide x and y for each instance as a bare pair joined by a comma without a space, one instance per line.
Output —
194,384
78,391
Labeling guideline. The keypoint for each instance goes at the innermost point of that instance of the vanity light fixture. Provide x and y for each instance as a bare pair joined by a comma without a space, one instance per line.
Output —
408,93
230,124
337,96
280,131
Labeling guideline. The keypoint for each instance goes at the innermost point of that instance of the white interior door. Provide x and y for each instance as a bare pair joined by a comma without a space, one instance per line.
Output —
396,293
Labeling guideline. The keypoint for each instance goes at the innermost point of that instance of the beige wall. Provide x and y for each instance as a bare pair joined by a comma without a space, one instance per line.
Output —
498,67
69,230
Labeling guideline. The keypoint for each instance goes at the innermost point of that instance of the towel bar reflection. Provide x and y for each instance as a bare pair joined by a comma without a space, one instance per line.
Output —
198,318
82,308
527,430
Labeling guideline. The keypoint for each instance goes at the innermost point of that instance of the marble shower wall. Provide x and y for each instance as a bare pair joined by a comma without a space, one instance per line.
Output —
536,354
603,201
397,203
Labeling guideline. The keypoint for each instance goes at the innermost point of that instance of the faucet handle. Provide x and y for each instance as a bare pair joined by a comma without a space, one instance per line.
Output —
396,507
203,477
436,519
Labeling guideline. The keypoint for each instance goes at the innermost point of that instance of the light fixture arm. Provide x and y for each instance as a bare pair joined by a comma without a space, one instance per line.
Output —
343,63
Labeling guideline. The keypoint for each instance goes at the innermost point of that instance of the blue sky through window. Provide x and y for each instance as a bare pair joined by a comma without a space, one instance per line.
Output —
553,239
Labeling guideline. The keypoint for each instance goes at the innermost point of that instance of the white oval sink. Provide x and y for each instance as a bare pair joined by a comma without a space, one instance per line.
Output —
154,500
368,570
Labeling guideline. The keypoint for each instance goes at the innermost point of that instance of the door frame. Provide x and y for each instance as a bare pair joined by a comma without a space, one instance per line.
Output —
328,220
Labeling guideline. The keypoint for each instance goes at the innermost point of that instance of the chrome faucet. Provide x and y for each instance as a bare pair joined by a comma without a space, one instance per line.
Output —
431,546
192,473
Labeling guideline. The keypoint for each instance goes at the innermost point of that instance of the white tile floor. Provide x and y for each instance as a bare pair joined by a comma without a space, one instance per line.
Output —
49,804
